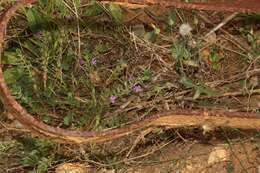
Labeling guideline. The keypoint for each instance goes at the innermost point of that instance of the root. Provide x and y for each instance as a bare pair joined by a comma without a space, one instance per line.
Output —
178,118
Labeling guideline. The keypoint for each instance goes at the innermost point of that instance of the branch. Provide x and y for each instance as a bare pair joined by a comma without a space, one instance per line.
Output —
178,118
243,6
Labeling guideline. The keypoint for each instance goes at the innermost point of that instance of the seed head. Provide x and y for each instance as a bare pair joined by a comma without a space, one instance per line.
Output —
185,29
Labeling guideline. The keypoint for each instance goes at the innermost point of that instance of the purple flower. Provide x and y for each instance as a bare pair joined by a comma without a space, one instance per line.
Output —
113,99
81,61
137,89
94,61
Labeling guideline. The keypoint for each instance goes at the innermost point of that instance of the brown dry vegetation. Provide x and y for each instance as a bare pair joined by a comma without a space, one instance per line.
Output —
126,54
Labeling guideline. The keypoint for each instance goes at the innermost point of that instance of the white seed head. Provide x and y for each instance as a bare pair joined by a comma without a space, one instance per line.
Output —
207,128
185,29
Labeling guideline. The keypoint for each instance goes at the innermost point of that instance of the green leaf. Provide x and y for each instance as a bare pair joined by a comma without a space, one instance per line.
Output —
207,91
60,6
156,29
88,55
71,99
83,120
43,165
197,94
180,52
216,66
188,83
47,119
34,19
150,36
67,120
12,75
147,75
254,16
214,58
199,89
171,18
94,10
42,144
230,167
101,48
31,158
10,58
116,12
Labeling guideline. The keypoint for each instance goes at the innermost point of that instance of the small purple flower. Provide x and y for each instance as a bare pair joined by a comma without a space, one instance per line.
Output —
94,61
81,61
137,89
113,99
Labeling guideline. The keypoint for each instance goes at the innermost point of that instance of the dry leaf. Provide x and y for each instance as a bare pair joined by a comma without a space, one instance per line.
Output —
139,30
253,81
95,78
204,55
212,38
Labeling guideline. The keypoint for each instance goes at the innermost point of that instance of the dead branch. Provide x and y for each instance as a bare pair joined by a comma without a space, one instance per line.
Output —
178,118
237,6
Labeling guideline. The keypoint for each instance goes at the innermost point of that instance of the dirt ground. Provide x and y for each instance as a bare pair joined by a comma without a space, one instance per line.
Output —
241,156
204,158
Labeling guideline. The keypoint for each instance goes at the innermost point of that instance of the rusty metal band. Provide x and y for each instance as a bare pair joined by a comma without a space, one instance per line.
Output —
178,118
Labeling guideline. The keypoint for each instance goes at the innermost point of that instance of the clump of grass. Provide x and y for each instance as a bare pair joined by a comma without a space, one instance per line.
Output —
55,77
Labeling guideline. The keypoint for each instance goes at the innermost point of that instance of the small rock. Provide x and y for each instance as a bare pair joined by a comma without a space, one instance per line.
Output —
106,170
73,168
219,154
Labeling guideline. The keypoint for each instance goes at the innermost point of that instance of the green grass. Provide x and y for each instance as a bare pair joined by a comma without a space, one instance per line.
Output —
58,77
